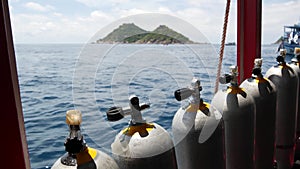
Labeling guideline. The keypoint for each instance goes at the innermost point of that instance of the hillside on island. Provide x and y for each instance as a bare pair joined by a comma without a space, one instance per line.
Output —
130,33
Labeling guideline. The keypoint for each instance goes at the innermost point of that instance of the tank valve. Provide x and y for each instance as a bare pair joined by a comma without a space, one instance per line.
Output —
193,90
134,109
281,58
193,93
137,122
74,142
230,78
256,71
296,58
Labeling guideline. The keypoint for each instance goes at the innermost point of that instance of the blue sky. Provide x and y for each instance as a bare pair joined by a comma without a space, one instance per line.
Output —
76,21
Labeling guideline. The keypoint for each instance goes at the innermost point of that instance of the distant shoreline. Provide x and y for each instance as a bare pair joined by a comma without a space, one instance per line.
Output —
85,43
113,43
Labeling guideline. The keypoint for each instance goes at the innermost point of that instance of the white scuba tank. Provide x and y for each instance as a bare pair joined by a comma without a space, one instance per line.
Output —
79,155
263,92
141,145
238,109
193,152
286,82
295,65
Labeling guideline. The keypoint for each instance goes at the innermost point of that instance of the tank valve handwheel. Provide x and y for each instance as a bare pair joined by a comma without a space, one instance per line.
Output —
193,90
134,110
114,114
182,94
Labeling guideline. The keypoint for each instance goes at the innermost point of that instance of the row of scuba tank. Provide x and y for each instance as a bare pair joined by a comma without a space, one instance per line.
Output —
254,125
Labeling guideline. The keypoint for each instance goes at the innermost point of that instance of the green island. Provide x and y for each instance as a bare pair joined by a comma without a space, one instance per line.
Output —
130,33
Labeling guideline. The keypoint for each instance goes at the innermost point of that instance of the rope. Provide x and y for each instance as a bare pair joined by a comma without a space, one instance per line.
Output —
222,45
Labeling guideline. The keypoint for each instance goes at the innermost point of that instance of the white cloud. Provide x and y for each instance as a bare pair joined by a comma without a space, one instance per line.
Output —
30,24
57,14
100,15
134,11
164,10
205,15
14,1
100,4
57,27
38,7
120,1
217,4
43,28
209,19
91,3
131,3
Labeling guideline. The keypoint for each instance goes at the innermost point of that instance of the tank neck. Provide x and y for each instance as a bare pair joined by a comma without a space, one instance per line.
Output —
256,71
196,87
257,75
281,60
195,98
234,76
234,82
75,131
136,115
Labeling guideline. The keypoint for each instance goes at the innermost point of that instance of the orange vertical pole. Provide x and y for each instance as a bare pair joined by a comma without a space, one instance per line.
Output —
14,153
248,35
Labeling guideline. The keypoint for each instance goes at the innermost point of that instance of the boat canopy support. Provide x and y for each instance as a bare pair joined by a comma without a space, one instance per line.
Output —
248,35
13,141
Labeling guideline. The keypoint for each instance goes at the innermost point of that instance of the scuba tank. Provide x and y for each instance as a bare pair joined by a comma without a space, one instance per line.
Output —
187,125
286,82
141,145
295,65
263,92
79,155
238,109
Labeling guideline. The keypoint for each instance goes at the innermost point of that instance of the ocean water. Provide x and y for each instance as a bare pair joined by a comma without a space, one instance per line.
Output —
55,78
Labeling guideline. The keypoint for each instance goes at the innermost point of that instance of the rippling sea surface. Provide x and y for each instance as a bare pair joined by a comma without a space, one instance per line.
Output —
55,78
